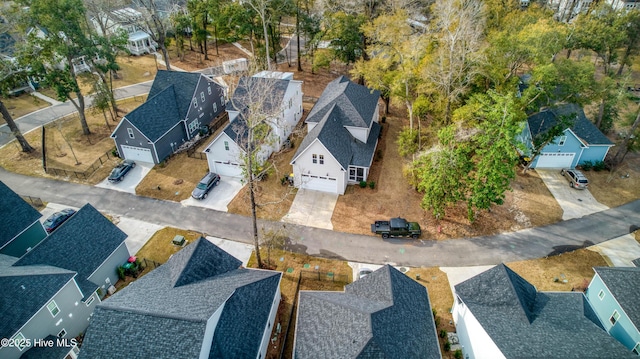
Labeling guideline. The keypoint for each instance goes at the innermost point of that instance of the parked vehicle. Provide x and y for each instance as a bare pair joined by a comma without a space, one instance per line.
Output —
576,178
205,185
364,272
55,220
118,173
396,227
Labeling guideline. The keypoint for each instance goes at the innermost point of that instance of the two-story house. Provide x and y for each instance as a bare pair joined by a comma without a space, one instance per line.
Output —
342,136
126,20
20,227
179,104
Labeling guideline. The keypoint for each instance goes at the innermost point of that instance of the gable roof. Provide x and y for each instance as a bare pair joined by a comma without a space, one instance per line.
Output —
624,284
383,315
175,316
80,244
356,102
16,215
25,290
583,128
522,321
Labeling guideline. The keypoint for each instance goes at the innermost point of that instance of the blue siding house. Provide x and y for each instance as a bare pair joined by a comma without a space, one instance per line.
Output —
178,105
614,294
20,227
582,141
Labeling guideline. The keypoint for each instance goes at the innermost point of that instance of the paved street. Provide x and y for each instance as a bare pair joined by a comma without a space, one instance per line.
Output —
526,244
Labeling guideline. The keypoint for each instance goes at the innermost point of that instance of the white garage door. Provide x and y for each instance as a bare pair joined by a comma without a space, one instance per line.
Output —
319,183
137,154
555,160
228,169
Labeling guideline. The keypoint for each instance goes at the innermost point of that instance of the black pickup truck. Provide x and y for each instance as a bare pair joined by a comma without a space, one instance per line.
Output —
396,227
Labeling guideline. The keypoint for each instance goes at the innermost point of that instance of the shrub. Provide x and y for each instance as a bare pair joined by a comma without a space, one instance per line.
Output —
447,346
407,142
384,119
121,272
599,166
457,354
443,333
372,184
363,184
587,165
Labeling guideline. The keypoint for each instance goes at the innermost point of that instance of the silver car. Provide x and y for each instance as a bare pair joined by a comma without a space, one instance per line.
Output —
576,179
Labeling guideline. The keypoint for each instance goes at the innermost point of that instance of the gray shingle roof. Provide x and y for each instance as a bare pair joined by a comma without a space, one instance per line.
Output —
157,115
55,352
624,285
25,290
383,315
184,83
16,215
525,323
80,244
542,121
344,103
636,262
174,316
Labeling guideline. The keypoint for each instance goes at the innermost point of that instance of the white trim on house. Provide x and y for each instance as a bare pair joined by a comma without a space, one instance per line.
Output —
615,300
293,160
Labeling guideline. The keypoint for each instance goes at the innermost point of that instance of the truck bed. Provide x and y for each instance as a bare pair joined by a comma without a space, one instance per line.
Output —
380,226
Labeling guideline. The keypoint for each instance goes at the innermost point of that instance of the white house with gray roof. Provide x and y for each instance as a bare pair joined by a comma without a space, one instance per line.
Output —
342,136
280,96
498,314
614,294
382,315
200,304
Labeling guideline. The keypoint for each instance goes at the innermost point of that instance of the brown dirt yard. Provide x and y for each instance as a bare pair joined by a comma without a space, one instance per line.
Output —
21,105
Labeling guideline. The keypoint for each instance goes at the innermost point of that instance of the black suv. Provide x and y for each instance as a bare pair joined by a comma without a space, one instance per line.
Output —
205,185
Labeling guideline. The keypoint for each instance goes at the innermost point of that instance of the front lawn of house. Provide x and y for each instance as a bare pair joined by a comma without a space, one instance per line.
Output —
21,105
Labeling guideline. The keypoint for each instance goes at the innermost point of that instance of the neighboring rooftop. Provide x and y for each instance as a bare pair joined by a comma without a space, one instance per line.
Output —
174,302
44,352
81,244
624,285
383,315
524,322
16,215
583,128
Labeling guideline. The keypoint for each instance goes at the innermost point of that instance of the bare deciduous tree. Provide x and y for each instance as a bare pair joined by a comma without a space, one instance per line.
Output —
156,26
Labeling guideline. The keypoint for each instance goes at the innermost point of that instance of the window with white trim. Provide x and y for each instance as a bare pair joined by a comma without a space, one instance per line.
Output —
215,107
601,294
20,341
130,132
614,317
321,159
221,100
195,102
290,102
209,90
562,140
226,145
193,125
356,174
62,333
202,96
53,308
636,349
314,158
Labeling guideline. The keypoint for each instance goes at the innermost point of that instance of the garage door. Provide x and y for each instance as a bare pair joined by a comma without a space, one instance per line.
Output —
228,169
137,154
319,183
555,160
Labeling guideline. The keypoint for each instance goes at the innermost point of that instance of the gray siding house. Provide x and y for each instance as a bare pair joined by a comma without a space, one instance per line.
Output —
383,315
20,227
178,105
88,244
39,302
200,304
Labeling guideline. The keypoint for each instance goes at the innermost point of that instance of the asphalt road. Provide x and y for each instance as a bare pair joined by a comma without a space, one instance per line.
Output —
526,244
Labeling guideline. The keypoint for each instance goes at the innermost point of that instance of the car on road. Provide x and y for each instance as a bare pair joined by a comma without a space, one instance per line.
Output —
55,220
205,185
576,178
121,170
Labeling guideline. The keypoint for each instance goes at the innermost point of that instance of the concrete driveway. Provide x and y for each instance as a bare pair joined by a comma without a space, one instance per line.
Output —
575,203
312,208
220,196
131,180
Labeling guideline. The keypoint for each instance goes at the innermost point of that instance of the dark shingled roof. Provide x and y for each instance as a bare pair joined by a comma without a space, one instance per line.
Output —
383,315
25,290
16,215
624,285
523,322
168,103
80,244
636,262
583,128
344,103
174,317
55,352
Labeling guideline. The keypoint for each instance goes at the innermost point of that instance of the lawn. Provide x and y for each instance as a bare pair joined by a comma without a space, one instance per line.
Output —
136,69
174,179
159,247
19,106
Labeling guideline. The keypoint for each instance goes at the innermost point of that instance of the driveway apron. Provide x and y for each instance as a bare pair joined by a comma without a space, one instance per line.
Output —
312,208
575,203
